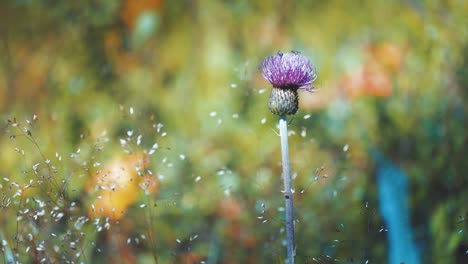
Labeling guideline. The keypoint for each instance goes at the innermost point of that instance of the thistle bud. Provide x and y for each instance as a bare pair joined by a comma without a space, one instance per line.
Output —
283,101
287,72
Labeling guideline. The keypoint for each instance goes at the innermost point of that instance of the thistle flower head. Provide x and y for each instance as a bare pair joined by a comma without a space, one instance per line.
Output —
289,71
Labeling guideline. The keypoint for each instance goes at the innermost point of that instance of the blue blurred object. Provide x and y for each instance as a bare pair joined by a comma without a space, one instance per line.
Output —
393,196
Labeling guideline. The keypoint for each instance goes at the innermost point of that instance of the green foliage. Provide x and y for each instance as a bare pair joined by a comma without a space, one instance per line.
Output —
80,81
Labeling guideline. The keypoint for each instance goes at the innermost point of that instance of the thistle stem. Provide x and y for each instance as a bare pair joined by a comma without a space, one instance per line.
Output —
288,197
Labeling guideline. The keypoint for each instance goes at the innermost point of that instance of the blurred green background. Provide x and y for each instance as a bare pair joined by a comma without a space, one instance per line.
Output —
86,85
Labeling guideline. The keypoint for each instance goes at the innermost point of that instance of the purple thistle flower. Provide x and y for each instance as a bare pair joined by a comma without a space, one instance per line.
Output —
289,71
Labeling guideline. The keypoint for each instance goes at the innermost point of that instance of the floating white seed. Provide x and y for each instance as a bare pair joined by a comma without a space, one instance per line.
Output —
346,147
213,113
303,133
59,216
263,120
307,116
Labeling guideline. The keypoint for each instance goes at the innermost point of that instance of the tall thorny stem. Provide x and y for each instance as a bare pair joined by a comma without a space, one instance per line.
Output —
288,195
